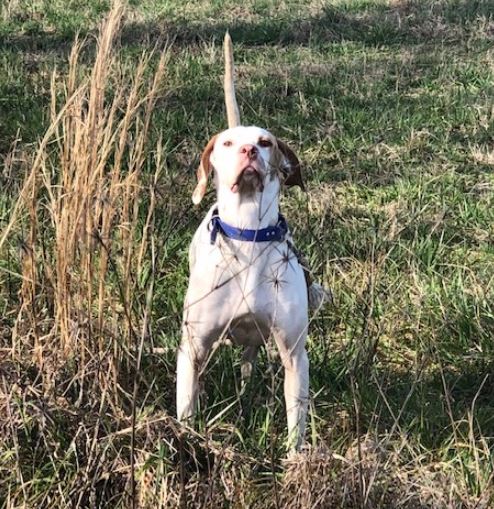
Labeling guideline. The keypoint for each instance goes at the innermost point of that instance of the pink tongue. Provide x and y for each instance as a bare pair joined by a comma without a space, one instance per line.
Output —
235,188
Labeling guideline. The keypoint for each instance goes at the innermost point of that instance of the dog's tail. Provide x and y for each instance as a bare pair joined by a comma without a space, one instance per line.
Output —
232,111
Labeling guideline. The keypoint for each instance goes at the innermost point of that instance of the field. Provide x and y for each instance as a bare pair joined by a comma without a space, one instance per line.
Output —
103,117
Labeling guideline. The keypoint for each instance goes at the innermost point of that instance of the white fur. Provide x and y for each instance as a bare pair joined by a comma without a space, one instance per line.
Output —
245,291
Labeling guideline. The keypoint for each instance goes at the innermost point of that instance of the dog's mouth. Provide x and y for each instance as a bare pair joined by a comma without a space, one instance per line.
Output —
249,180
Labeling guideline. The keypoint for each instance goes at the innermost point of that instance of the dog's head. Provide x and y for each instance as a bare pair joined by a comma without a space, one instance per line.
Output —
246,160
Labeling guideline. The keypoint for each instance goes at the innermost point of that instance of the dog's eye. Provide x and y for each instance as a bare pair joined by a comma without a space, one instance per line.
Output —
265,143
227,143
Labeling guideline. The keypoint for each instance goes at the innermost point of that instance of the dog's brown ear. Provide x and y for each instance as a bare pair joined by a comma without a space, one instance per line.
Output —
290,166
203,172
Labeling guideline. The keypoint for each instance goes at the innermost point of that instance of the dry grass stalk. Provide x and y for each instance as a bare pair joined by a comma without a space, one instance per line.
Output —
83,191
85,244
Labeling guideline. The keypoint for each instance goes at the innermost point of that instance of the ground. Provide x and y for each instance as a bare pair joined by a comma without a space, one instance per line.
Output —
389,106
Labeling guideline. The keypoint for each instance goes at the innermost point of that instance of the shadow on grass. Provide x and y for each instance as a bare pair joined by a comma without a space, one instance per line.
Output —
404,23
430,405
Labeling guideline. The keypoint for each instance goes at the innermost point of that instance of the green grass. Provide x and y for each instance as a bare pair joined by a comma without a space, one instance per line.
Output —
389,106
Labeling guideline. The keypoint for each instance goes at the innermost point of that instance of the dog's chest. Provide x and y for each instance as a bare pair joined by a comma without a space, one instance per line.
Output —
247,270
239,290
242,288
236,278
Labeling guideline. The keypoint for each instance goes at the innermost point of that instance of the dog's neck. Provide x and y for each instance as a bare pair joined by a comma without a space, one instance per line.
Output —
253,212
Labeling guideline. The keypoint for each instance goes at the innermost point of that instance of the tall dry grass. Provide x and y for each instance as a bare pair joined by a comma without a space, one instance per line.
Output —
86,267
83,194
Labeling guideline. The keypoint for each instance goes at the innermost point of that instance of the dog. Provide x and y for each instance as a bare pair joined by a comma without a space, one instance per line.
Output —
246,281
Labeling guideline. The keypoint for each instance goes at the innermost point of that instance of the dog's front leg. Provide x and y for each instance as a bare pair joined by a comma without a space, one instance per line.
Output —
296,397
296,365
190,358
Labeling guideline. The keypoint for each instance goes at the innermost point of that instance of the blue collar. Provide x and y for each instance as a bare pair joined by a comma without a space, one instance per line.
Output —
268,234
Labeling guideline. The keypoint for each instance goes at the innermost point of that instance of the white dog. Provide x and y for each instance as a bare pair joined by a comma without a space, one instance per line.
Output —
246,283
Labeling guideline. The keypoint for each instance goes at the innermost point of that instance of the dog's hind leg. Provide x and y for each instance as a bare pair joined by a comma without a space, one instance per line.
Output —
248,360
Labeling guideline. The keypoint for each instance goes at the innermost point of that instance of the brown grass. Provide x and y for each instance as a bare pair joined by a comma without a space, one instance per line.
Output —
82,314
84,189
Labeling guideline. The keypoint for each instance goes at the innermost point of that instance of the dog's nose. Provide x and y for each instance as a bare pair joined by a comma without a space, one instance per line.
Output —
249,150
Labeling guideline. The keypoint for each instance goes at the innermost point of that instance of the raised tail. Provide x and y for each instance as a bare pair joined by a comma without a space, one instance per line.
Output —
232,111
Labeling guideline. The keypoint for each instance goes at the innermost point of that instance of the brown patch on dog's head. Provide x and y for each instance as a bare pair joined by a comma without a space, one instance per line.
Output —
205,168
289,166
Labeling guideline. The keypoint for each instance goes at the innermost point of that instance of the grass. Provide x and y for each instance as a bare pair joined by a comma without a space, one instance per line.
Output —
388,105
